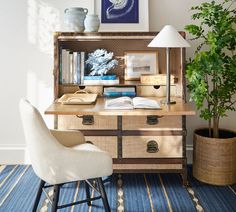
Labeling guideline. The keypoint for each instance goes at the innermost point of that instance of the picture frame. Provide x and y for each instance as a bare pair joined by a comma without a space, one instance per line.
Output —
140,24
140,62
124,11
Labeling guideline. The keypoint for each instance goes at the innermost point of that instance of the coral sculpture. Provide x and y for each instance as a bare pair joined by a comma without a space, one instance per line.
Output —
101,62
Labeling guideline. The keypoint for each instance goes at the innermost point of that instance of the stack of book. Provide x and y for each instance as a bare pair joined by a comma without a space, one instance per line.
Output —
119,91
72,67
101,80
73,70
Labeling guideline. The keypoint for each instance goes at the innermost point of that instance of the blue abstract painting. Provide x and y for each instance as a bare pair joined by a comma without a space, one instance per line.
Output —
120,11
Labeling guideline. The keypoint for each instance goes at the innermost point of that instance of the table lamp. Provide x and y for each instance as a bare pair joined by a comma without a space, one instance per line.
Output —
168,38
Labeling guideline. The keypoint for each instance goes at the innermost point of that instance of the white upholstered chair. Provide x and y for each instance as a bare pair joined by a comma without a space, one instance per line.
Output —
59,157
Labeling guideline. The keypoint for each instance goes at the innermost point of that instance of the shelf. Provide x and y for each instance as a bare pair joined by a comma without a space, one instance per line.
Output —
122,83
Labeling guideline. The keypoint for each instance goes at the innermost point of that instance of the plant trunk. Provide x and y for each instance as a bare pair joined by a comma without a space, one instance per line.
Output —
215,127
209,128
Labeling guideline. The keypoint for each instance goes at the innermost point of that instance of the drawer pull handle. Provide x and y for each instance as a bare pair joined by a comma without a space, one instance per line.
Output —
152,120
87,120
152,146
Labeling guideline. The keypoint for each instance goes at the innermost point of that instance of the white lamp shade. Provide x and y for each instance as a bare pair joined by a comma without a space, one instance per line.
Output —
168,37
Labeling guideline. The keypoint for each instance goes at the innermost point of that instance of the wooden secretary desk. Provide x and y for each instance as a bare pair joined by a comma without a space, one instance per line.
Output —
139,140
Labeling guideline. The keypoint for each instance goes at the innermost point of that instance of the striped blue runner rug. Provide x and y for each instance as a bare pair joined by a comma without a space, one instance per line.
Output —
126,192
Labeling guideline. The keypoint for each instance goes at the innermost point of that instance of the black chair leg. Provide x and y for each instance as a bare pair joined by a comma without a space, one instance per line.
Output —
87,192
56,193
103,195
37,199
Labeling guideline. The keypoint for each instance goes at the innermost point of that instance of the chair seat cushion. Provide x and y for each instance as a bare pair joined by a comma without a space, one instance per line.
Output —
87,146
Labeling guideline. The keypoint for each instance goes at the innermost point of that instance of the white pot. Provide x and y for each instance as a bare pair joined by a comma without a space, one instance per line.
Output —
91,23
74,19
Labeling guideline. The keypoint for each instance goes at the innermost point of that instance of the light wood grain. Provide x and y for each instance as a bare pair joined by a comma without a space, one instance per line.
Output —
118,43
180,108
106,143
140,123
160,92
136,146
74,122
148,167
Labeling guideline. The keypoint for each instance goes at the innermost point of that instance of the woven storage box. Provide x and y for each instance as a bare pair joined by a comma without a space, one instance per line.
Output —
214,160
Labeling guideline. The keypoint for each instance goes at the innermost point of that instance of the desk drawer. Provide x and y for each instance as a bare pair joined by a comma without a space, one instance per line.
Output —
106,143
141,123
74,122
160,92
152,146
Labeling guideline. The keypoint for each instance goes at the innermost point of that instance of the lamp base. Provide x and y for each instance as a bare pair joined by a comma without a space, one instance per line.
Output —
164,102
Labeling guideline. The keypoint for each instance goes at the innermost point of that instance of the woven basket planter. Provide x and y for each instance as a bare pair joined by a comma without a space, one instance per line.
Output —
214,159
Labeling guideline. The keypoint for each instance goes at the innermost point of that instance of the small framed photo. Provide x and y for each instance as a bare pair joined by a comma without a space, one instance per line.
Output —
140,62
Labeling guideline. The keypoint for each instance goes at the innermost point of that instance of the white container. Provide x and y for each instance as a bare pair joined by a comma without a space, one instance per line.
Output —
91,23
74,19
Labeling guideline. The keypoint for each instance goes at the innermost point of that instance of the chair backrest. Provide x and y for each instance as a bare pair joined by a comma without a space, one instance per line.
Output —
41,144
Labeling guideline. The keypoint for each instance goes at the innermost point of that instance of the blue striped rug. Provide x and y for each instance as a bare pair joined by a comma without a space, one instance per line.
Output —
126,192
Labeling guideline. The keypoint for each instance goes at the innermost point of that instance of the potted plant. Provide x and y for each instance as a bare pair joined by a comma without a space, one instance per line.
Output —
211,79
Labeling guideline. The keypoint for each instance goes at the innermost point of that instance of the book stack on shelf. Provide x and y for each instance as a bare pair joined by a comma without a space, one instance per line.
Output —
119,91
73,70
101,80
72,67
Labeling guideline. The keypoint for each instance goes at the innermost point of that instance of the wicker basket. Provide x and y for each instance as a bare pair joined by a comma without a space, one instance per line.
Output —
214,160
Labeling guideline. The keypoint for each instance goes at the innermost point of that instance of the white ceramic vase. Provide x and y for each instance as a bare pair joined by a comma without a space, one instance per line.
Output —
91,23
74,19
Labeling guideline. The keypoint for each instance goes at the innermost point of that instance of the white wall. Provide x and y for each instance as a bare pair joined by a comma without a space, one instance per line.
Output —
26,60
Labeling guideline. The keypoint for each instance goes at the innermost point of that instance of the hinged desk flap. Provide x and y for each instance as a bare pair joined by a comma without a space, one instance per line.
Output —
180,108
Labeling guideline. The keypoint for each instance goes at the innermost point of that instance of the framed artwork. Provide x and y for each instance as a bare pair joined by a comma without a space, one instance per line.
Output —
119,11
140,62
123,15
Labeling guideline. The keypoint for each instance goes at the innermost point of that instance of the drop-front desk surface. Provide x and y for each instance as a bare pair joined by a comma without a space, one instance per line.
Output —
131,143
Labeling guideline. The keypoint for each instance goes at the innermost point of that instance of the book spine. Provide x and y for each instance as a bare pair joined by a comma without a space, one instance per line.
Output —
105,77
78,68
63,66
117,94
71,67
60,66
101,82
75,65
82,67
67,67
119,89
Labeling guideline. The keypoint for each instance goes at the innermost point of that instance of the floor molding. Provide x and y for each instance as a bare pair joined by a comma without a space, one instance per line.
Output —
12,154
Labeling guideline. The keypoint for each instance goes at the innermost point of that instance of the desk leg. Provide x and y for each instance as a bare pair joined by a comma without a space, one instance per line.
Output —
119,136
185,173
184,164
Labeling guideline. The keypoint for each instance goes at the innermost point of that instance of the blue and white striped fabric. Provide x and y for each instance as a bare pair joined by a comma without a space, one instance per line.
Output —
126,192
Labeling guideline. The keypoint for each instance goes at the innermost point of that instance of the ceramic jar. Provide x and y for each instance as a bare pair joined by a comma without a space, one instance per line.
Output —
91,23
74,18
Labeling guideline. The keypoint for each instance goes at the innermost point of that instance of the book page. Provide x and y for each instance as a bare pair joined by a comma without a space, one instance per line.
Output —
120,103
141,102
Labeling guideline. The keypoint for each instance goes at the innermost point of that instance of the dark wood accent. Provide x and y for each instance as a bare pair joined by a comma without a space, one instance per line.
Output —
151,133
148,171
99,132
149,161
131,132
119,136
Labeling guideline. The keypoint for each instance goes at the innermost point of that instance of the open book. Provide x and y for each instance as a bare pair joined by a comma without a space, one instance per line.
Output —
129,103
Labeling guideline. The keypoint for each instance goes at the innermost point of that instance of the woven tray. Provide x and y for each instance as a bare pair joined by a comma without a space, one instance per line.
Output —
78,99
